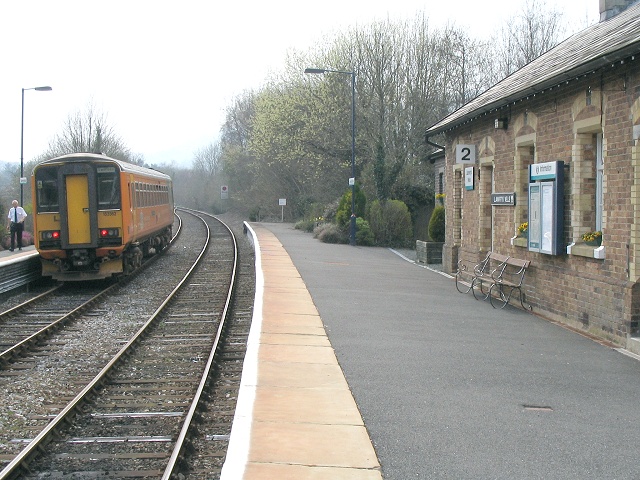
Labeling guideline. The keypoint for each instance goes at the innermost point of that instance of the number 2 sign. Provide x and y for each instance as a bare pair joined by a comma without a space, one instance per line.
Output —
466,154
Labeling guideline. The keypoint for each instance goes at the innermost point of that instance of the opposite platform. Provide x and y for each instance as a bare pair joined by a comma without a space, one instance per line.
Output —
18,268
7,256
296,417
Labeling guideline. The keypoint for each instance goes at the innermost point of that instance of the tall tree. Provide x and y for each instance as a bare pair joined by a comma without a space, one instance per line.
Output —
208,160
532,32
293,137
89,132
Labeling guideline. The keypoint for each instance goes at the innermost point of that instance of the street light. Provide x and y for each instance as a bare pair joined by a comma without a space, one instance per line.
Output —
39,89
352,180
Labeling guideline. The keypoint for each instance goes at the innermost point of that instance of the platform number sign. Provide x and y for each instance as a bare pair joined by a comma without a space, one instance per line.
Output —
466,154
224,192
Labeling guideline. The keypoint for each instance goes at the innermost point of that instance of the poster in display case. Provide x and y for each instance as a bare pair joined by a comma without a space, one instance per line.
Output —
546,208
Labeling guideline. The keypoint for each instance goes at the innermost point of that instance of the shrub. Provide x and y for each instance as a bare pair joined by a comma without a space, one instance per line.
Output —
343,214
364,235
437,224
391,223
330,210
305,225
27,239
254,214
330,233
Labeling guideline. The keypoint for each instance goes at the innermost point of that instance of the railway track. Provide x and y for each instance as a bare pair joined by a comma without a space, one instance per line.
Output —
32,321
135,416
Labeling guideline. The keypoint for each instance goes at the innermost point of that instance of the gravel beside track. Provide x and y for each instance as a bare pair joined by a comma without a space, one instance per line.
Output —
210,443
39,386
43,383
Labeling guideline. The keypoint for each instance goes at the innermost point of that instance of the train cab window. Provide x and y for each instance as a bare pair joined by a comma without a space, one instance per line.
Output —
108,188
47,190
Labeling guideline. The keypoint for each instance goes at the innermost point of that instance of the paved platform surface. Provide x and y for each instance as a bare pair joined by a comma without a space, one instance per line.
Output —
296,417
447,386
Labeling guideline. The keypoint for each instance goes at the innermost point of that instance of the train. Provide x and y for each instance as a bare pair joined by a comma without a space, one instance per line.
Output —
96,217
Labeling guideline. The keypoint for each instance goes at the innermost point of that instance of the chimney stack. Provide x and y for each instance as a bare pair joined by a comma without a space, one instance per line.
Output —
610,8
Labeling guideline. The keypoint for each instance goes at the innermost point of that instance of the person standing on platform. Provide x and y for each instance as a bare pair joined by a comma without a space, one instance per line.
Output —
16,224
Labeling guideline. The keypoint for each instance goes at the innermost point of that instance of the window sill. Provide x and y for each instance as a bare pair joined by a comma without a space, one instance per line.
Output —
584,250
520,242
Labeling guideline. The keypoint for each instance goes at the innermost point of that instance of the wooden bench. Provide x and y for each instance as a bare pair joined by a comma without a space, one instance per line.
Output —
496,277
509,279
480,277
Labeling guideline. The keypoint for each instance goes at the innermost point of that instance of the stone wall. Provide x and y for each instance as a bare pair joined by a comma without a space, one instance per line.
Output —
593,289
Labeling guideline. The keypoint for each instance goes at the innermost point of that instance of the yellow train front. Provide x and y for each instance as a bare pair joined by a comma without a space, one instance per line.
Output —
95,216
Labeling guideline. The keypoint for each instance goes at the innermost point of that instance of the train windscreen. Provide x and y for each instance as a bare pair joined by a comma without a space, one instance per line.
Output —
108,188
47,190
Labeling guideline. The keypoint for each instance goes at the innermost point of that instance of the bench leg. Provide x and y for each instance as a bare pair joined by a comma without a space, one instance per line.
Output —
501,298
528,307
461,286
498,296
484,290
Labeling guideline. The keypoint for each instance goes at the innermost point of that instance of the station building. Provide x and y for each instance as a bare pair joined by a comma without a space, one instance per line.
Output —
556,146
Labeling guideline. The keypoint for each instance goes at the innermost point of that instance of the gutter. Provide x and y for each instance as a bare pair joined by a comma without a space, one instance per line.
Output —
438,153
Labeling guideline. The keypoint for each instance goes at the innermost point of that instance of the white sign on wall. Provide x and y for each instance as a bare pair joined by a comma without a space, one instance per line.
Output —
468,178
544,171
466,154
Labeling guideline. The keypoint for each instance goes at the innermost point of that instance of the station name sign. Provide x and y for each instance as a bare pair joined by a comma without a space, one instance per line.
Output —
544,171
503,198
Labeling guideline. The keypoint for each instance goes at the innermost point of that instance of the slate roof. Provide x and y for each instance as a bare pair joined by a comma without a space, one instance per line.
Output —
600,45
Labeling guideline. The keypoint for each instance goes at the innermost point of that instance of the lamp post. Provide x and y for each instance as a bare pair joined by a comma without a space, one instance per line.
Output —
39,89
352,180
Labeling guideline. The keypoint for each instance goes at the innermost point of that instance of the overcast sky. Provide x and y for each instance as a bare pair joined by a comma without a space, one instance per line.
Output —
163,72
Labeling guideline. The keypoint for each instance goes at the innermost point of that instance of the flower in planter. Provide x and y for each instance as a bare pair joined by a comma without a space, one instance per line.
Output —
592,237
523,228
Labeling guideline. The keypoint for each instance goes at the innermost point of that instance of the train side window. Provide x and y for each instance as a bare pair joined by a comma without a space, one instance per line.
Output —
47,190
108,189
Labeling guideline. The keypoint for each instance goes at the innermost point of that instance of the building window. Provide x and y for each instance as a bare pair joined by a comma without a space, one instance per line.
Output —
599,181
458,192
587,184
525,156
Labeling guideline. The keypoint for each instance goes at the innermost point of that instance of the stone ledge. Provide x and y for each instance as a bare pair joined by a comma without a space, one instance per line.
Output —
584,250
519,242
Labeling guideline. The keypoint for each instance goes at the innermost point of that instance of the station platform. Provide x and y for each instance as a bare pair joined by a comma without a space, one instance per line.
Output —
296,417
7,256
18,268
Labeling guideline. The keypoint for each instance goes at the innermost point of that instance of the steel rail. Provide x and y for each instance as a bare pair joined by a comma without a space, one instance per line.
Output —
40,334
11,352
187,424
21,461
17,308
